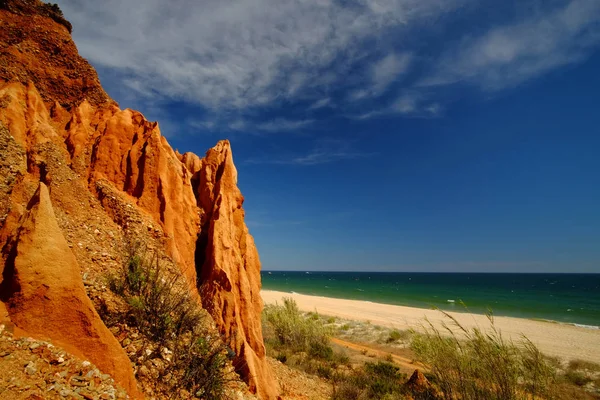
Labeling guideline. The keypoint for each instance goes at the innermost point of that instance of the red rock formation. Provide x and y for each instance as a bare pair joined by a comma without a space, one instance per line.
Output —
65,131
125,149
37,47
44,293
230,267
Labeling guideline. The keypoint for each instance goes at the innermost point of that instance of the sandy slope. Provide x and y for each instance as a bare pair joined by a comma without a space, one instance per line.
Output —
565,341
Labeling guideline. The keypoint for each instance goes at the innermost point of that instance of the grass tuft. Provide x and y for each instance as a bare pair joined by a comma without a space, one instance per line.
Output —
477,364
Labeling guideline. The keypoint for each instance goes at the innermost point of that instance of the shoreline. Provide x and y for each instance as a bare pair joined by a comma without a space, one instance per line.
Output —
553,338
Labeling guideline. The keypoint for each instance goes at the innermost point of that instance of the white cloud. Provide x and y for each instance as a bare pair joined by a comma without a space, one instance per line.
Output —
405,104
283,124
508,55
246,125
232,54
324,152
387,69
381,74
409,104
234,57
320,103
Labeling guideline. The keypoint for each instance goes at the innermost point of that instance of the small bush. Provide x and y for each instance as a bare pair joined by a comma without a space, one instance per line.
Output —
345,327
341,359
303,338
161,308
320,350
294,331
396,335
324,371
578,365
577,378
380,380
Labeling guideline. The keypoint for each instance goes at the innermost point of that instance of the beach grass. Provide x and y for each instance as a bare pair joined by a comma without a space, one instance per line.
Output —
482,364
460,362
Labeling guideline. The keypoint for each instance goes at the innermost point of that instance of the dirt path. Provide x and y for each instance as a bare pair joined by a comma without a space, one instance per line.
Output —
406,364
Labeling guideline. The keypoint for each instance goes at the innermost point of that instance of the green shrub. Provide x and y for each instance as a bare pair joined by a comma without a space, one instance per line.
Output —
313,315
473,364
396,335
303,339
324,371
341,358
380,380
578,365
161,307
320,350
577,378
293,330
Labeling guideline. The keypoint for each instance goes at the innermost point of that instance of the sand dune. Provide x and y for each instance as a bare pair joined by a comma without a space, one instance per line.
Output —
555,339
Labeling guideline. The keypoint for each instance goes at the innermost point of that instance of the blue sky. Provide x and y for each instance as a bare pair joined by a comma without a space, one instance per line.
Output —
392,135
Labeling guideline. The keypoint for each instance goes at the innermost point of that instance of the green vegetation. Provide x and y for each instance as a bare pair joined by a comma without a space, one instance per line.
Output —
476,364
459,363
300,340
286,328
578,365
303,341
581,372
577,378
160,307
396,336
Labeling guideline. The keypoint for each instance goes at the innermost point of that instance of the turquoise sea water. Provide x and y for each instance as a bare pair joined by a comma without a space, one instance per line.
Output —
568,298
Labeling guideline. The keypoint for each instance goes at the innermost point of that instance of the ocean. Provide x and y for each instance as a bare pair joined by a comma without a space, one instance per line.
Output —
566,298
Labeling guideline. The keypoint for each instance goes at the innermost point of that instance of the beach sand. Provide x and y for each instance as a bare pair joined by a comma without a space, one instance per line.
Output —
554,339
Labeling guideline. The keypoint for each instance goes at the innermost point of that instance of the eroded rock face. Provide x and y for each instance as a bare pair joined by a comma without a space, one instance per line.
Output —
44,294
37,47
230,267
122,147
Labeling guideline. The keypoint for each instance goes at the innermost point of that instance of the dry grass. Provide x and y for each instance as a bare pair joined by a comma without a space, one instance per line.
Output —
481,364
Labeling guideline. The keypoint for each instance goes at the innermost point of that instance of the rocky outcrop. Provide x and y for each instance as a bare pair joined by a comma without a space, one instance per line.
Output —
111,175
123,148
37,47
230,267
44,294
420,387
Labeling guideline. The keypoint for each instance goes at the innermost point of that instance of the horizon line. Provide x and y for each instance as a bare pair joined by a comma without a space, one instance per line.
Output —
436,272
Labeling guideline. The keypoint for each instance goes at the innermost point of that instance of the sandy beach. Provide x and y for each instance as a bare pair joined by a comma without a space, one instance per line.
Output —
555,339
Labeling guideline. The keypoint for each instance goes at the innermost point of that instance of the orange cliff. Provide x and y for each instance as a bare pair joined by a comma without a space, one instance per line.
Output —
44,294
70,155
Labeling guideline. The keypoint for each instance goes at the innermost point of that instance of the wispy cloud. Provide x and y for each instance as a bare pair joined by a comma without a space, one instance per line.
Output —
508,55
356,57
320,103
381,74
283,125
244,53
409,104
324,152
239,124
386,71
